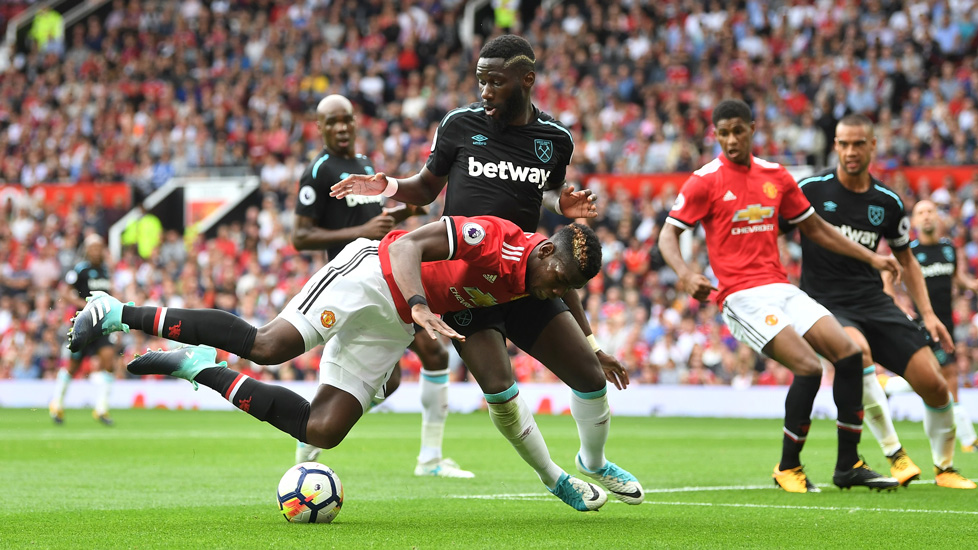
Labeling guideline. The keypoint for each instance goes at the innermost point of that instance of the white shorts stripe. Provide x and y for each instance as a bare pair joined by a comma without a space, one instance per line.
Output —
749,332
756,315
159,328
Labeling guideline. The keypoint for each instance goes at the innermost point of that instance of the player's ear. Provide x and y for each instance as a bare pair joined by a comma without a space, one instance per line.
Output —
546,249
529,78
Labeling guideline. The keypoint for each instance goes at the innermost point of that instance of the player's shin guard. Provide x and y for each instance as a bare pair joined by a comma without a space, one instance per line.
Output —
280,407
877,412
797,418
593,416
847,390
939,427
963,425
103,386
61,387
211,327
513,419
434,412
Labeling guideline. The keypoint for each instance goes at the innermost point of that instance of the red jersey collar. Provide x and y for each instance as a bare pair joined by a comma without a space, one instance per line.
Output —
727,163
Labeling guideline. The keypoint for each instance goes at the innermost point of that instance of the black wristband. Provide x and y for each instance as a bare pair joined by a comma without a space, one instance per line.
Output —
416,299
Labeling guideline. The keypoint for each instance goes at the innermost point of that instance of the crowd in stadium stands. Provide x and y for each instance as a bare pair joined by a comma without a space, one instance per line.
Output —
151,89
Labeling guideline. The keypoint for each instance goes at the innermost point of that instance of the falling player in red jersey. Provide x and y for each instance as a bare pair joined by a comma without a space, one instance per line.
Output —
363,305
738,199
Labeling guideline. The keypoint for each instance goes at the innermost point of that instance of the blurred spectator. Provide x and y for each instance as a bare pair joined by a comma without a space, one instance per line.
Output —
144,91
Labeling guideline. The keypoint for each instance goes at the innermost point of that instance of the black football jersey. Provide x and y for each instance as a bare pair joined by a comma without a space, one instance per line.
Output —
937,263
865,218
87,278
329,212
499,173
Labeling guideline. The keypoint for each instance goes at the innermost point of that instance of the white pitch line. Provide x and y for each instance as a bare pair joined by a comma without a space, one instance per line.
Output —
821,508
541,497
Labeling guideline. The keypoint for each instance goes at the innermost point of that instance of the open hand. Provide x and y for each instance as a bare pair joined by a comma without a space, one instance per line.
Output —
578,204
359,184
432,324
613,371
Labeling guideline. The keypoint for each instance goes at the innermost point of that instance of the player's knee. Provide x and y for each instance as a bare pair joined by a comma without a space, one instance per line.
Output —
934,391
268,350
810,365
434,359
324,434
588,377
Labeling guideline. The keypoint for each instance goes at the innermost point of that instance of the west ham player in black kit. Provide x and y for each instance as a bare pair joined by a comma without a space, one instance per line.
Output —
504,157
943,270
323,222
866,211
89,275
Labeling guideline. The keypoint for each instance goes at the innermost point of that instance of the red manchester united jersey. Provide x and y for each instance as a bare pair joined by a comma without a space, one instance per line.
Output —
739,208
486,266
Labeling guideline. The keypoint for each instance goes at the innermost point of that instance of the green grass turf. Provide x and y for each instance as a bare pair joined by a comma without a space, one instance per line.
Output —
190,479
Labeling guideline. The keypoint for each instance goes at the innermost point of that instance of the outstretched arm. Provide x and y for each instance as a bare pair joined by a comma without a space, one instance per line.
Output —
306,235
823,234
428,243
917,289
694,284
419,189
613,371
962,279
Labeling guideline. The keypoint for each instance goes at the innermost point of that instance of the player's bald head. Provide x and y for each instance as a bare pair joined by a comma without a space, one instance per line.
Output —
923,206
333,103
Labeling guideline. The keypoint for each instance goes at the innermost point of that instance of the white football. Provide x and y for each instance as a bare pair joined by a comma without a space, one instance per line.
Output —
310,492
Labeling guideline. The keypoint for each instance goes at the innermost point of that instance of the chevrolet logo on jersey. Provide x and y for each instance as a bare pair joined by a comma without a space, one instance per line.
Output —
754,213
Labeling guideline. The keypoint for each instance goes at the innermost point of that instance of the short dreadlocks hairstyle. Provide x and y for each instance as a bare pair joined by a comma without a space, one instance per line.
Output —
578,245
514,50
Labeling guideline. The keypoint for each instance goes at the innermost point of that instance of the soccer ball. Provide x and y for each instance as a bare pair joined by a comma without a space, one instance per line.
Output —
310,493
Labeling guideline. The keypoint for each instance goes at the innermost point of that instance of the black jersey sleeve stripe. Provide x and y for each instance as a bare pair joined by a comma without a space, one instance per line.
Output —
803,216
678,223
452,236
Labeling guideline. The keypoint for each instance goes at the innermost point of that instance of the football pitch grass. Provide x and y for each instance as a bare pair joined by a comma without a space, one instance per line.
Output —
194,479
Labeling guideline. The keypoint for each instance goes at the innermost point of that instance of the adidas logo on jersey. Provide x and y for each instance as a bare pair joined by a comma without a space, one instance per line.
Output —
729,196
490,278
506,170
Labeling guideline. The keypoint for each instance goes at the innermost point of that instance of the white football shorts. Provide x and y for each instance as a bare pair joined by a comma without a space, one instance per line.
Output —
347,306
756,315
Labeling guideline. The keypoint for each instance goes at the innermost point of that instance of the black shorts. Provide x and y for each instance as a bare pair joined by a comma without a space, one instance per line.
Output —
93,347
521,320
893,336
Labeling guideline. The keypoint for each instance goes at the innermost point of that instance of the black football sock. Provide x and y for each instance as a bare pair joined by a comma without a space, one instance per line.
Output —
847,390
798,418
211,327
279,406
